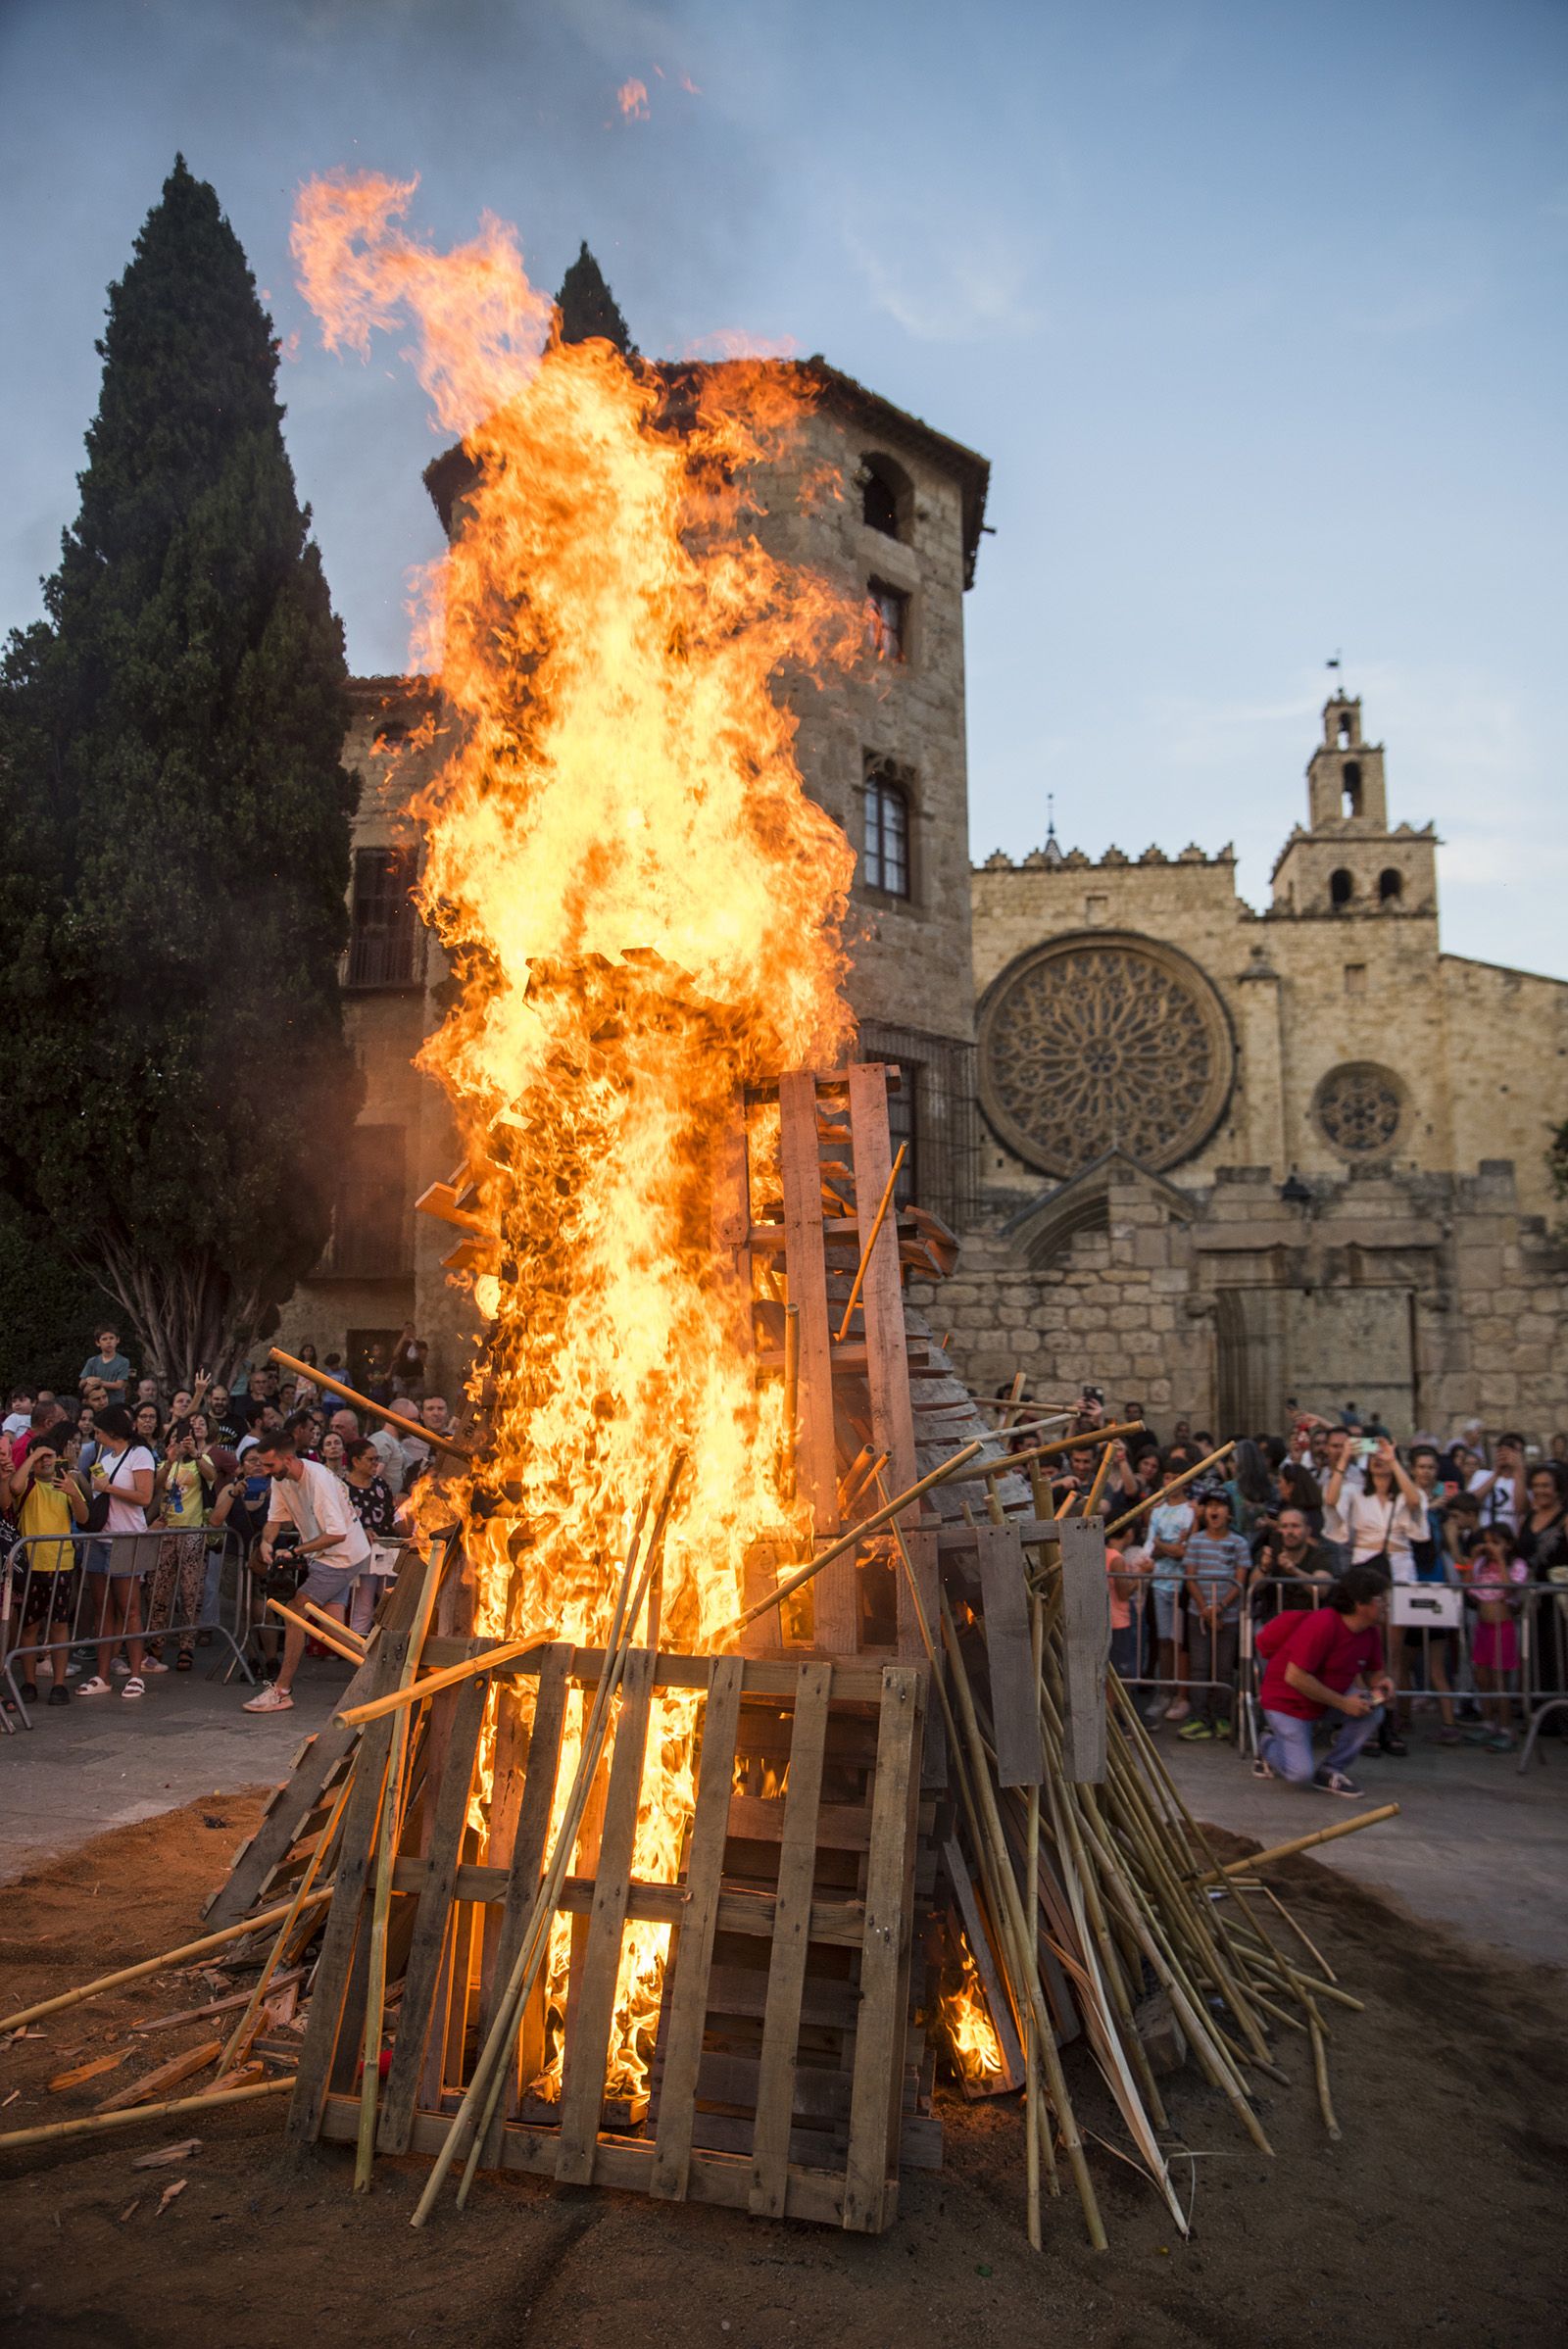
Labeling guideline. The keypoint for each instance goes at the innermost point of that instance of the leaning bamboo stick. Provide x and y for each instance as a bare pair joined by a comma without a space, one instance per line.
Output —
877,1222
496,1659
316,1630
857,1534
1152,1501
362,1402
240,2038
388,1823
155,1964
1286,1851
1031,1844
92,2123
482,2093
1089,1440
339,1631
1320,2071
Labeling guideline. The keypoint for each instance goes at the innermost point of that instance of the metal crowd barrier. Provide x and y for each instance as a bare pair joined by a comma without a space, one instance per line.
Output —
48,1611
1536,1687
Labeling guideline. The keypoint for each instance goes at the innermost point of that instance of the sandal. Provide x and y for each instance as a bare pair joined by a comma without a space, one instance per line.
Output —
134,1687
185,1661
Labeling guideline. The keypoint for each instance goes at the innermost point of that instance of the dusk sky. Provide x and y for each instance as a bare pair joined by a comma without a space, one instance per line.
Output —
1256,310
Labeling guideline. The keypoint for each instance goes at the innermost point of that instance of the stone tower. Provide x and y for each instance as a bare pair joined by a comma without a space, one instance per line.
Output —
1347,861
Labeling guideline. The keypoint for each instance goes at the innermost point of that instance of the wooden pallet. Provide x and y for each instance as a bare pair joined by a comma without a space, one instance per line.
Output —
785,2077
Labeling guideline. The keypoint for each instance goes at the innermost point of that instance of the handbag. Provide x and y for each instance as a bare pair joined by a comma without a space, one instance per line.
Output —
1381,1559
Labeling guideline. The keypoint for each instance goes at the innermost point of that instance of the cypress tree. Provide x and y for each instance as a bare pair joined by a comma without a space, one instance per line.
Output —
588,308
176,814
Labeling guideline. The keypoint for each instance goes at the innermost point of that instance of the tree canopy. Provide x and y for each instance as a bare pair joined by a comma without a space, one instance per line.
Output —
588,308
176,818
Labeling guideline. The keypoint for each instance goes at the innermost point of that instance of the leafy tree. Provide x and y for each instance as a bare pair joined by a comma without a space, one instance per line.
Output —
589,309
177,1089
50,1309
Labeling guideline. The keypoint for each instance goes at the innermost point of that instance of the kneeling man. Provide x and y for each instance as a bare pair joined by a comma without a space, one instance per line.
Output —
1330,1660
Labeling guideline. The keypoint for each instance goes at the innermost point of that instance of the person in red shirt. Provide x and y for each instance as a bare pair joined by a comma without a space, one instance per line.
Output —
1328,1661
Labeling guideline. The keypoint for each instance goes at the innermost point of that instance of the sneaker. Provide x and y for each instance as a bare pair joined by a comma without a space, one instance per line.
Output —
1263,1769
1500,1741
1196,1729
136,1686
1178,1711
58,1694
1155,1713
29,1692
1450,1737
1335,1781
269,1700
96,1686
1222,1728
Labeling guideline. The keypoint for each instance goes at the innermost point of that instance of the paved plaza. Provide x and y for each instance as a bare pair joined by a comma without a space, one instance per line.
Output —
1476,1847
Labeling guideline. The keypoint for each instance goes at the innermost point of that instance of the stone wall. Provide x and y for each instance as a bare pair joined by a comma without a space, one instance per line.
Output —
1427,1298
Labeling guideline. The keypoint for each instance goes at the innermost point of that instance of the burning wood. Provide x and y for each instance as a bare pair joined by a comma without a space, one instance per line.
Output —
609,1900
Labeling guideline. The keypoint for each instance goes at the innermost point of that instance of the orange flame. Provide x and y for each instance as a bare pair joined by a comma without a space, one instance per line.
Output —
972,2040
633,100
642,910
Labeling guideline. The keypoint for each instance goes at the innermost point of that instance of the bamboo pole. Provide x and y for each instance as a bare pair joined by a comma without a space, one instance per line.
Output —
857,1534
154,1965
1165,1491
388,1826
1089,1440
362,1402
1320,2071
792,1393
240,2038
482,2093
316,1630
92,2123
877,1221
1102,1473
1286,1851
496,1659
342,1630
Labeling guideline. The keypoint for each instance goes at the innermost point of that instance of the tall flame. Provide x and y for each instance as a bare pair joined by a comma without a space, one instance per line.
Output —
640,904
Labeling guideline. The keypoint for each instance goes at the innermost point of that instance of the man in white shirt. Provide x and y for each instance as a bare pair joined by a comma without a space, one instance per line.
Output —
315,1503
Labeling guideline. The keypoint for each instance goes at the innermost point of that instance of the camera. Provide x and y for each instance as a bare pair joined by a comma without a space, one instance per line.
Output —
1093,1395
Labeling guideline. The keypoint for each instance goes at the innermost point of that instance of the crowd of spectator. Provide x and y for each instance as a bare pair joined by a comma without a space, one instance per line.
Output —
1299,1535
126,1498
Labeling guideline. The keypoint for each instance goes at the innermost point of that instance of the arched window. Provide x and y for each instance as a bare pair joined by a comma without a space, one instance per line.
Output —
1351,780
886,495
1341,887
1345,728
886,862
1390,885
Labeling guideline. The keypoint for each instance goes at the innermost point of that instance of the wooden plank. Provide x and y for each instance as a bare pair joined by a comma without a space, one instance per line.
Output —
591,2014
524,1877
343,1917
882,1324
859,1680
432,1917
791,1918
836,1922
923,1548
1086,1648
835,1599
1014,1690
840,1826
319,1762
691,1955
722,2179
880,2035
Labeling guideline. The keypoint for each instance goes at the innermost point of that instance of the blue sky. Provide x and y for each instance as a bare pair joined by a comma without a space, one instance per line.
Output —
1258,311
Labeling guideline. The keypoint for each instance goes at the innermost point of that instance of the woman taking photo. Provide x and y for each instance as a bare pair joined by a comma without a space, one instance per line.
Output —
1378,1525
1543,1543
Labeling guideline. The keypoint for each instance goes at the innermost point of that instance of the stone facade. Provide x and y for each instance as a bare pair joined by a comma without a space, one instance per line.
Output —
1235,1162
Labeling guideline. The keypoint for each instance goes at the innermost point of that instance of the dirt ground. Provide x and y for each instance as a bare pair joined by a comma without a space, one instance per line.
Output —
1438,2216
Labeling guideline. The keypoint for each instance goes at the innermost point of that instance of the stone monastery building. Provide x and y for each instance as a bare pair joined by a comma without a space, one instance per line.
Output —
1208,1159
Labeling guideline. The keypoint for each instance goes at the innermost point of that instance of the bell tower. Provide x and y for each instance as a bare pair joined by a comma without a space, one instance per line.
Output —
1344,778
1347,861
